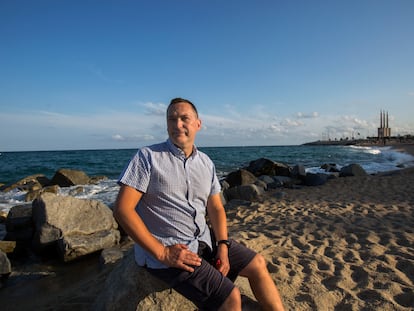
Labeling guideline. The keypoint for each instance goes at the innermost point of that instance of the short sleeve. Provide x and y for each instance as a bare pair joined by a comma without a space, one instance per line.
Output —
138,171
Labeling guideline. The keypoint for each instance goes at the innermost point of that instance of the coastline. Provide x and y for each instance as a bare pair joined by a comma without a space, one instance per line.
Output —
345,245
406,148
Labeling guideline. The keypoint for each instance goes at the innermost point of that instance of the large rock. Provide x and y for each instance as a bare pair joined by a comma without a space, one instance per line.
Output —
68,177
284,181
245,192
317,179
265,166
33,194
240,177
5,268
29,183
78,227
131,288
19,217
7,246
352,170
19,225
299,171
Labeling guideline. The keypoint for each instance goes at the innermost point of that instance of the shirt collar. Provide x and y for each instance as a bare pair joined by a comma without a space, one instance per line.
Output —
177,151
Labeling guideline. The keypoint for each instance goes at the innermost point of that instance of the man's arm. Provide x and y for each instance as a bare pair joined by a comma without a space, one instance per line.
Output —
218,220
172,256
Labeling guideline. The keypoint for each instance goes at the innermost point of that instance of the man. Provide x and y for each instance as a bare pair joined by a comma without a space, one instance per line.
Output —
167,190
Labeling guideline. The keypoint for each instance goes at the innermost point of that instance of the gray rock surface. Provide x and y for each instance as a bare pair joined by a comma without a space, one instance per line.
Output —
78,227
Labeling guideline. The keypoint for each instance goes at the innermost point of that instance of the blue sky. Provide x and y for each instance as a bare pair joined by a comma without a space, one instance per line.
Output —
99,74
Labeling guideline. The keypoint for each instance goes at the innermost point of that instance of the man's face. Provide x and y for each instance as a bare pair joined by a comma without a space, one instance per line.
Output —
182,125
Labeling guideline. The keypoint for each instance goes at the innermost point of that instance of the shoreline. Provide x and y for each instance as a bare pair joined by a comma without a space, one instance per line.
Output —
405,148
345,245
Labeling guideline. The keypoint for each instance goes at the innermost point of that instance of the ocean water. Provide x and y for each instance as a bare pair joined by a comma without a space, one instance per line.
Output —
17,165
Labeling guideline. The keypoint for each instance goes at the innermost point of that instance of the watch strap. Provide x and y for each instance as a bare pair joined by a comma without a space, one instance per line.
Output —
227,242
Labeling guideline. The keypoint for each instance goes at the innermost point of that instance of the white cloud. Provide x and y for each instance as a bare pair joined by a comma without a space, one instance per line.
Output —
307,115
291,123
115,129
118,137
155,109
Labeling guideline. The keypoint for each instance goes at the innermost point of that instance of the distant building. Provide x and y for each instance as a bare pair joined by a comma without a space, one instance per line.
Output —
384,131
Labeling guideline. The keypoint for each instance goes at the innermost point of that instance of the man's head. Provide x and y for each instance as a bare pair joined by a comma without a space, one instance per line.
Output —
182,100
182,124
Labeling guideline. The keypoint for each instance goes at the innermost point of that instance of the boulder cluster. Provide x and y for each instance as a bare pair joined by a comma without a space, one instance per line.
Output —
69,228
251,182
54,225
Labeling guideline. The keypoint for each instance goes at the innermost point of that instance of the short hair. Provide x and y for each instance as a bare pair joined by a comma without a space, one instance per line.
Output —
182,100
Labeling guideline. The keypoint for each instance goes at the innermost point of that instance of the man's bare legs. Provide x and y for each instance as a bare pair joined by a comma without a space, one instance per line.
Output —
262,284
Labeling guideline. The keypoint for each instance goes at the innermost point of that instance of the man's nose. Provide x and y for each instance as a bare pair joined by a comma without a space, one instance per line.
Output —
178,123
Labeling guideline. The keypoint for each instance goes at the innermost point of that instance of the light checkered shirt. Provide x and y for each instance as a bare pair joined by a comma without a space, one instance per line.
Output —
176,191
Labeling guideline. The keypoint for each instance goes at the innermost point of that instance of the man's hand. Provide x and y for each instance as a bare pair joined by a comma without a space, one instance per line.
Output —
223,256
179,256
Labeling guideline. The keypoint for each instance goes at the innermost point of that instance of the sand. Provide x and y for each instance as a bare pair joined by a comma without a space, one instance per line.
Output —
345,245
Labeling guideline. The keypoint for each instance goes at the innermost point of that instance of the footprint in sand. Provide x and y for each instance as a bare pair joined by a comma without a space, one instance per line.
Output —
370,295
352,256
405,299
406,267
360,276
324,266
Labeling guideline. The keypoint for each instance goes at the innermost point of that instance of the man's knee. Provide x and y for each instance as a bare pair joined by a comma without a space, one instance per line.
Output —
260,261
233,301
257,266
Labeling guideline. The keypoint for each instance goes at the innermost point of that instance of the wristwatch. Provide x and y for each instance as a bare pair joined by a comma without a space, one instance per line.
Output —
227,242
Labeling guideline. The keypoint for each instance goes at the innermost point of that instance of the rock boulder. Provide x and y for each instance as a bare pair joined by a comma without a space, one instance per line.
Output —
78,227
68,177
352,170
240,177
131,288
5,268
265,166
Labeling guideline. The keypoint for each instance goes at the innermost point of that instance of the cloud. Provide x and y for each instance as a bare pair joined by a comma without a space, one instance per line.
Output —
118,137
301,115
134,138
117,129
155,109
291,123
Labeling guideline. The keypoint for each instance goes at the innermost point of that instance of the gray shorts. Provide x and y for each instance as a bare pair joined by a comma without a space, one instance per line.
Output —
206,287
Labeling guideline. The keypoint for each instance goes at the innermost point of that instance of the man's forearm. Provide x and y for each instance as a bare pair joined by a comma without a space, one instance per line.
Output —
139,233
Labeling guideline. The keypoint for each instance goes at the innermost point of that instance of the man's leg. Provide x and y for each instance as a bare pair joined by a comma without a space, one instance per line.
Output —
206,287
233,301
262,284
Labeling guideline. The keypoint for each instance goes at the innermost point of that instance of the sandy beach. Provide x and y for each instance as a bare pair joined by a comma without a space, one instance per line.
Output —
345,245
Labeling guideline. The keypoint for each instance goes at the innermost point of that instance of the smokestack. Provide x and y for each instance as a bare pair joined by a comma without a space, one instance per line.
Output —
381,119
387,120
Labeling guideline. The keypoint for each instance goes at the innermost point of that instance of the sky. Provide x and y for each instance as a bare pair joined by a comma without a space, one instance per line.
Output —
100,74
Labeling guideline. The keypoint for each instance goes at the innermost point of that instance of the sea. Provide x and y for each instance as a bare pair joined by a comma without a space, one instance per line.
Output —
110,163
